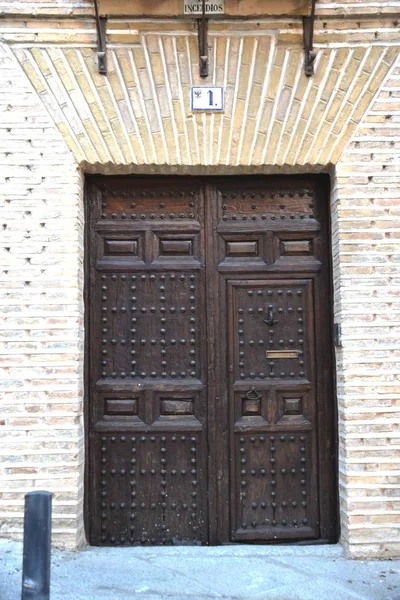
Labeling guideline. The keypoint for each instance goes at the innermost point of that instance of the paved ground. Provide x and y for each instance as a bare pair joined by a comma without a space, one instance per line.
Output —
227,573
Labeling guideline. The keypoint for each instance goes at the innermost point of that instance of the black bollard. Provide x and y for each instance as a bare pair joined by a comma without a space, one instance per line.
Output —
37,547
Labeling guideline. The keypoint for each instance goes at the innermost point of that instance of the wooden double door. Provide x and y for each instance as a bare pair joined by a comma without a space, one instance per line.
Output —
209,378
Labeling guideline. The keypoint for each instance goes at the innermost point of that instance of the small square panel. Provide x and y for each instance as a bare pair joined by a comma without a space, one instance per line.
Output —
181,406
242,248
123,407
251,407
124,247
176,247
183,248
292,406
296,247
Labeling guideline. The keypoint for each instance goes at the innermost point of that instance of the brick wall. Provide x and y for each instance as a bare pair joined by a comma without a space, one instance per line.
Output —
41,333
367,256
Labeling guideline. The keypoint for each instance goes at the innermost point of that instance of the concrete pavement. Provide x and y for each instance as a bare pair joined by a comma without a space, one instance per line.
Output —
189,573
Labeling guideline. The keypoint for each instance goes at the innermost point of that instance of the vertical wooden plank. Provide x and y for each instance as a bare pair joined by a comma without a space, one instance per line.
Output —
324,352
217,377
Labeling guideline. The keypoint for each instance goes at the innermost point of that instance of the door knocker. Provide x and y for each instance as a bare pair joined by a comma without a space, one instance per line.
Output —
269,309
252,394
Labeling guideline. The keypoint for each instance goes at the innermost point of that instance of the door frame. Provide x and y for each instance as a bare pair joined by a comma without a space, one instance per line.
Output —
217,411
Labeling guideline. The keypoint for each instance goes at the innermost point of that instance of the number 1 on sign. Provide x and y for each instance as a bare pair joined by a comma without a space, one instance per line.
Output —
206,98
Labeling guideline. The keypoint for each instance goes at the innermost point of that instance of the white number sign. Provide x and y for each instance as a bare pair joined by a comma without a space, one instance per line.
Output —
206,98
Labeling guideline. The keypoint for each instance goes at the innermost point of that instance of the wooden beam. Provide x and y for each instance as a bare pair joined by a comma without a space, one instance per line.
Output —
233,8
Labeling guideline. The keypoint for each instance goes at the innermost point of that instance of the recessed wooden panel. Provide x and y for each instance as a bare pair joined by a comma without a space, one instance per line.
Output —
275,492
170,406
176,247
251,407
239,248
292,406
270,329
146,202
152,326
125,247
120,407
296,247
146,493
255,205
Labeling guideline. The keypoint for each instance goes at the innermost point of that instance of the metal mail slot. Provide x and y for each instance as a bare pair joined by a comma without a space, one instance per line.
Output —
282,353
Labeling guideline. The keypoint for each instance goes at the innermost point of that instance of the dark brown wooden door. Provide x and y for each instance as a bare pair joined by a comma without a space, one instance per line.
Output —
209,393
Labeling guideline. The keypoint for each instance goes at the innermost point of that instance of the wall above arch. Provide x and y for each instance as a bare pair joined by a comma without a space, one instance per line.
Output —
139,113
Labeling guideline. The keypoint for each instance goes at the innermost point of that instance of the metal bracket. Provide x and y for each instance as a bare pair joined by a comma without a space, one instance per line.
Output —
308,38
202,27
101,41
337,334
